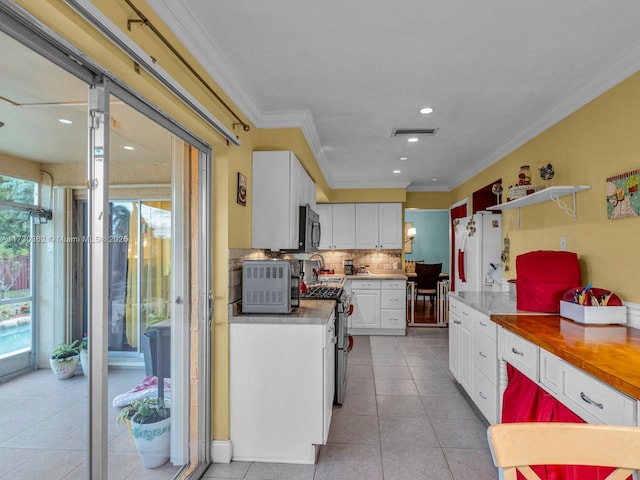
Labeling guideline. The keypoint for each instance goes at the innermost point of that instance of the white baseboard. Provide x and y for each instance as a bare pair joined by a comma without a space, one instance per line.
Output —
221,451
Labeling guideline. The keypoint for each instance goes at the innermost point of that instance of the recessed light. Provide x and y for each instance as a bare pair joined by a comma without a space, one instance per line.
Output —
412,139
128,147
404,158
65,121
434,179
397,171
426,110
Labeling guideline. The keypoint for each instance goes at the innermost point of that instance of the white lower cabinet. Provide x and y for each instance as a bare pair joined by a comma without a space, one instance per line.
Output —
379,307
460,343
281,390
485,364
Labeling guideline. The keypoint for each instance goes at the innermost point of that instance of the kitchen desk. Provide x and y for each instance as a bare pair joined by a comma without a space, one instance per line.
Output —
610,353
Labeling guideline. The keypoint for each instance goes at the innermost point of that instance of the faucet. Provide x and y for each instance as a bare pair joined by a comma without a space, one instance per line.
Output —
318,255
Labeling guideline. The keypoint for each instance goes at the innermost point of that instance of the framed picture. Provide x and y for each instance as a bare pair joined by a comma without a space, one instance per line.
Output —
623,199
242,190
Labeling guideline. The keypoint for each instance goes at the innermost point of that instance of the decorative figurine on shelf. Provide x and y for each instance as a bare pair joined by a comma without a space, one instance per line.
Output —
524,177
546,172
496,189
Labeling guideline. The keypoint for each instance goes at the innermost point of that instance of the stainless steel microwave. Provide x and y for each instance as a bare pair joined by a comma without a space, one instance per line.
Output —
309,231
269,286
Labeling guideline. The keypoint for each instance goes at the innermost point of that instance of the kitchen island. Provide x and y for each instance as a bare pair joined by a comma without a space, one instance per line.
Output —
282,382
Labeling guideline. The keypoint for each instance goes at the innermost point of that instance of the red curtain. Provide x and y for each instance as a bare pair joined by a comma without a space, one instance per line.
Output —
524,401
456,212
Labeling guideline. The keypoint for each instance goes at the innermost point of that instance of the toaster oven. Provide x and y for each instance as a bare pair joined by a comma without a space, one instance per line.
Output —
269,286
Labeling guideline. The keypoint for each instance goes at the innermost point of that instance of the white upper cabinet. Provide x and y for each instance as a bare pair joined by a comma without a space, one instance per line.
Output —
279,187
379,225
338,223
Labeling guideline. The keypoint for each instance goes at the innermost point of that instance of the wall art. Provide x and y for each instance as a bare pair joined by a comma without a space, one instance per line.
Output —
623,199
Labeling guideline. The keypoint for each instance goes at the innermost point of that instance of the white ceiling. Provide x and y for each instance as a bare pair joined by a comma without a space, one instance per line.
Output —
497,73
35,93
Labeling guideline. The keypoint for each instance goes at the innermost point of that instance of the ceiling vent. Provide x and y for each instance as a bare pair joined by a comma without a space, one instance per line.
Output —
396,132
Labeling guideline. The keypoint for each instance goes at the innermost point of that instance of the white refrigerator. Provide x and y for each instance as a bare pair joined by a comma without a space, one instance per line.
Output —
478,240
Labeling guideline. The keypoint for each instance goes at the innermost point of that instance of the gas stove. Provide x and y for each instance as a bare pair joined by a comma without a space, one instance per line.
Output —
322,292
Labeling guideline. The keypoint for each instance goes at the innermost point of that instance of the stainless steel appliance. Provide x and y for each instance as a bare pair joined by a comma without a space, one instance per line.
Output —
348,267
344,342
309,231
269,286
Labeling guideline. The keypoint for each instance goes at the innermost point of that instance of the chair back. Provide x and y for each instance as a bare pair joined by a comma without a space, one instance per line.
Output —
516,446
427,275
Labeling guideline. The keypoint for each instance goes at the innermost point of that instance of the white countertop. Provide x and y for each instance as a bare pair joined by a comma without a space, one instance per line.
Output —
488,303
310,312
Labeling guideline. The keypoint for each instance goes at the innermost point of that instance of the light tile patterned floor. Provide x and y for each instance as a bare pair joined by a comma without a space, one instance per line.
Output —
403,419
43,429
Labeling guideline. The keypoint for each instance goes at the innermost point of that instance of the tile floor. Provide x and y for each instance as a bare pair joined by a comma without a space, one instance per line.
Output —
43,429
403,419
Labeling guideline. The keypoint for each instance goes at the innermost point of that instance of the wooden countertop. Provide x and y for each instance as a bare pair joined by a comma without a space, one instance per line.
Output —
610,353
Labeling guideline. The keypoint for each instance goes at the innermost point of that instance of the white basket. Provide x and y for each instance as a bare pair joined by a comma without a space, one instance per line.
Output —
593,315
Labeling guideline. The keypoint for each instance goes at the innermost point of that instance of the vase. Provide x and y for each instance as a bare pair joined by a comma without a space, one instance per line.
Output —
153,441
65,367
84,362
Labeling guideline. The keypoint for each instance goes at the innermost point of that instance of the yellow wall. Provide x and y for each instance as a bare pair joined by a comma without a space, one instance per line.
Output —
598,141
595,142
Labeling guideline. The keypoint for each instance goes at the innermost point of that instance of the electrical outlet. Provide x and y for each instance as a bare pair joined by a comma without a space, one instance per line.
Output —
563,243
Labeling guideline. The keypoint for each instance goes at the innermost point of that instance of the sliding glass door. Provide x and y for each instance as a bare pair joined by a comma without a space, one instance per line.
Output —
17,326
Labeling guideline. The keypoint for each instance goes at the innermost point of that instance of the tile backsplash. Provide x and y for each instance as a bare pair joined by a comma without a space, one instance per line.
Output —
378,261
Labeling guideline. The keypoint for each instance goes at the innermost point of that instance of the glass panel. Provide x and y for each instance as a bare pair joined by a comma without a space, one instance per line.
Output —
15,281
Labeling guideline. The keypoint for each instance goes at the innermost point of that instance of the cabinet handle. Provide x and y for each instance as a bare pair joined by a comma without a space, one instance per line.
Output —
457,322
586,399
465,313
482,395
483,324
513,349
482,355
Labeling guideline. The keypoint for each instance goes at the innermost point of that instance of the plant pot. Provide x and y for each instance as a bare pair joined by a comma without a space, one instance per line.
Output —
64,367
153,441
84,362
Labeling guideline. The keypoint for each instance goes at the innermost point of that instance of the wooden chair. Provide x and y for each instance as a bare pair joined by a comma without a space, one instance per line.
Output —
515,446
427,275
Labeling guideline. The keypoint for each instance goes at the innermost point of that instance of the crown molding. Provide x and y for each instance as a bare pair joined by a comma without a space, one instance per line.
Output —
619,70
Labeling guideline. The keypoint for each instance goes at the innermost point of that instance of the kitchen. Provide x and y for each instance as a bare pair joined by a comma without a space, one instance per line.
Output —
590,145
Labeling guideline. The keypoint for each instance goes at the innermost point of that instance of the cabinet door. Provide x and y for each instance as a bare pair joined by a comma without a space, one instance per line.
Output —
465,346
326,222
454,341
366,308
344,226
390,225
274,200
367,226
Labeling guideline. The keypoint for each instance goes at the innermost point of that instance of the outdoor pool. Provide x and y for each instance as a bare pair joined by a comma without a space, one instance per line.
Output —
15,338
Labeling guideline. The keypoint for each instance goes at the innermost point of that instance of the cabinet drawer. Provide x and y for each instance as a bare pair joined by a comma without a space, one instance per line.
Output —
394,284
365,284
520,353
392,299
551,372
485,356
486,326
485,396
595,401
393,318
459,308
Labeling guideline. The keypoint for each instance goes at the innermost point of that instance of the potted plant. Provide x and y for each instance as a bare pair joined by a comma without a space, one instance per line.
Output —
64,360
149,423
84,355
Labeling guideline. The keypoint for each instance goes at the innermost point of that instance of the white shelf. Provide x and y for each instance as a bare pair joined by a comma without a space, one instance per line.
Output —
545,195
